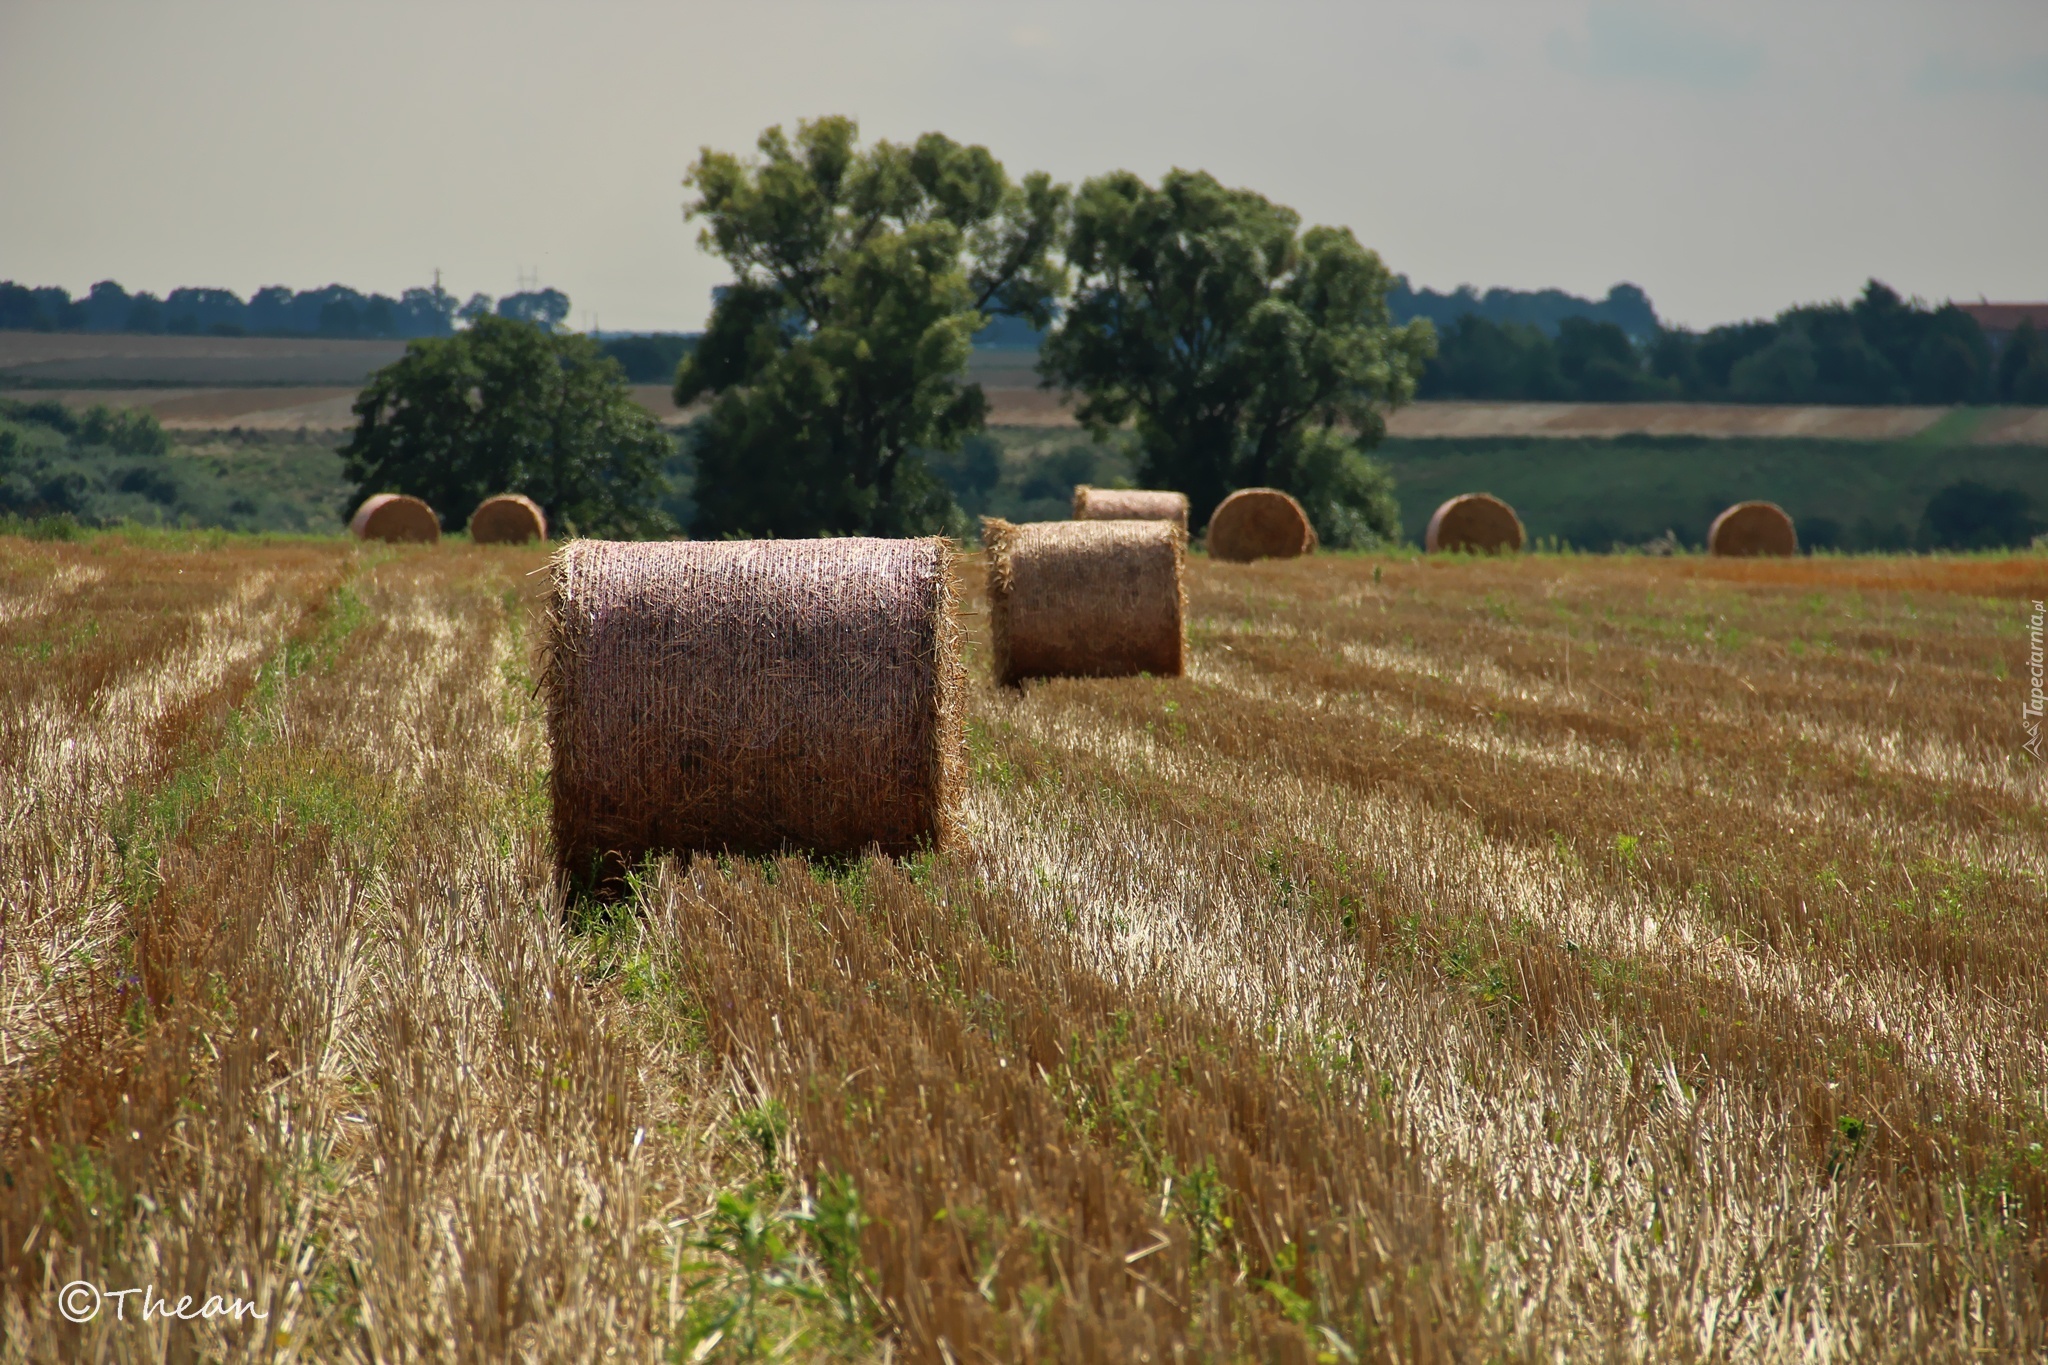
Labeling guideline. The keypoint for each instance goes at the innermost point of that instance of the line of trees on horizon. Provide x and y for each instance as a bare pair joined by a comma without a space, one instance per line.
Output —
335,311
1879,349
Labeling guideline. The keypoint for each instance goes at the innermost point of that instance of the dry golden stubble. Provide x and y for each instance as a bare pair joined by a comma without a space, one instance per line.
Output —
1021,1204
1085,599
370,1051
751,696
1130,504
1779,1077
1624,1117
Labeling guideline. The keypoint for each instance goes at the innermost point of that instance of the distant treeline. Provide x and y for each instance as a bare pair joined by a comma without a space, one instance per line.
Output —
1546,310
1879,349
336,311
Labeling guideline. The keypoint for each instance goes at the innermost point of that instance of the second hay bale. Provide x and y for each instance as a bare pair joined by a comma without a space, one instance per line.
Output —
1474,522
1753,528
395,517
507,519
1130,504
752,696
1259,523
1086,599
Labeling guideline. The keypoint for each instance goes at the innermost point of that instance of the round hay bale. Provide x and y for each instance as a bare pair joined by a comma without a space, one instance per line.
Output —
751,696
1259,523
1753,528
1130,504
395,516
1478,523
1086,599
507,519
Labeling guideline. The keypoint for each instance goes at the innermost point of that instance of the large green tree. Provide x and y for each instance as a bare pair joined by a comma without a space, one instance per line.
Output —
1248,351
841,348
506,407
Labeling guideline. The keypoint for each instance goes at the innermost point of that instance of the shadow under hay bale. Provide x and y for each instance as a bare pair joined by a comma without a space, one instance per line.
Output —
1086,599
1477,523
395,517
507,519
1130,504
1753,528
751,696
1259,523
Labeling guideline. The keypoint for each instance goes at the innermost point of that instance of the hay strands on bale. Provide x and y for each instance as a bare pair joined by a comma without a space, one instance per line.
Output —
1259,523
1086,599
1130,504
1476,523
396,517
1753,528
751,697
507,519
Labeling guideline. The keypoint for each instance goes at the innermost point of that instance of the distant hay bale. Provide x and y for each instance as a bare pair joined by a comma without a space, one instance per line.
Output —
507,519
1130,504
1086,599
751,696
395,516
1753,528
1259,523
1478,523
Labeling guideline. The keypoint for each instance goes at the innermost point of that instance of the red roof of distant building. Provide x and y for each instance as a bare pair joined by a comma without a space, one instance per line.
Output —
2004,317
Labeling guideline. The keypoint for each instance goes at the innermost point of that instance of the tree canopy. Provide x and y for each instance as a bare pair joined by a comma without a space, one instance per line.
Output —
1242,346
841,349
506,407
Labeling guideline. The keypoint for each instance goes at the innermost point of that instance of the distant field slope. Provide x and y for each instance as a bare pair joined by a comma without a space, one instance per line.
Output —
60,359
285,383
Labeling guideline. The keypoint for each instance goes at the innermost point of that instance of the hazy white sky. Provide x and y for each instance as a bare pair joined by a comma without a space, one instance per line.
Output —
1730,157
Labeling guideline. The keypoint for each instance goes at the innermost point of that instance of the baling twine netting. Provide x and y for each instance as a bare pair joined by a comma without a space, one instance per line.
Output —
1086,599
507,519
395,517
752,696
1259,523
1477,523
1130,504
1753,528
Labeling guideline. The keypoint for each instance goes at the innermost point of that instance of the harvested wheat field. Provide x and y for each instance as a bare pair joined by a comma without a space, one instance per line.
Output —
1474,959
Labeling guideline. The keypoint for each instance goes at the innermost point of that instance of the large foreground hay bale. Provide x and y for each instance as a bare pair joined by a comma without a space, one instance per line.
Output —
1753,528
1085,599
395,516
1259,523
751,696
507,519
1130,504
1478,523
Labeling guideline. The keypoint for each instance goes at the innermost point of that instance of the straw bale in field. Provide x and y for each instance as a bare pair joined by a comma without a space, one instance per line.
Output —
751,696
1259,523
395,516
1753,528
1474,522
507,519
1130,504
1085,599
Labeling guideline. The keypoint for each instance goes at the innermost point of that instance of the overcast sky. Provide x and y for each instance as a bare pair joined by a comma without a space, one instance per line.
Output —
1730,158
